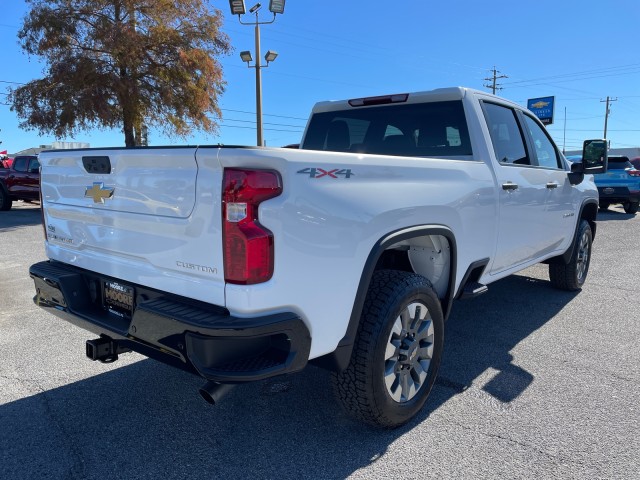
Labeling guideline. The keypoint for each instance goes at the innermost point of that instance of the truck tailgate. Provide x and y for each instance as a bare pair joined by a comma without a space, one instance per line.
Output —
145,216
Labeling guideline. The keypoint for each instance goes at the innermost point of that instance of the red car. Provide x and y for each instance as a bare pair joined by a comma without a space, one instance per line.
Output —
21,181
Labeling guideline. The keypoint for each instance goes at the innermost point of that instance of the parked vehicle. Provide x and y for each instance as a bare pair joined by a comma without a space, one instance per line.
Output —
242,263
620,184
635,162
20,181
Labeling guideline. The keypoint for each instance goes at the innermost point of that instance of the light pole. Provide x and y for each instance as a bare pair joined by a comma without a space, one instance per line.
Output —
238,8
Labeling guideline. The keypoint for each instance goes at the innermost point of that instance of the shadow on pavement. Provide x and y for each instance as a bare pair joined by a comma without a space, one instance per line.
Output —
480,334
146,420
21,215
608,215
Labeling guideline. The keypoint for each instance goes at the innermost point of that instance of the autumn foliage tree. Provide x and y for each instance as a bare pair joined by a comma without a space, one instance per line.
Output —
122,63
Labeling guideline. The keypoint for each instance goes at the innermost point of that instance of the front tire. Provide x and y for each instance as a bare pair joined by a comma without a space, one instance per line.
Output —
571,276
631,207
397,351
5,200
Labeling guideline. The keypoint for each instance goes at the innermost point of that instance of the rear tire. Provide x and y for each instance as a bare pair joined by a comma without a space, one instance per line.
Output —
5,200
631,207
571,276
604,206
397,351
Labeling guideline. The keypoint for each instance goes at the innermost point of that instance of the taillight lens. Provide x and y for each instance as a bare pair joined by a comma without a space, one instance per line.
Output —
248,246
634,173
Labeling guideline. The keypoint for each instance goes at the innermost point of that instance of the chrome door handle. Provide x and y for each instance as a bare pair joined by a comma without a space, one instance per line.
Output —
509,186
552,185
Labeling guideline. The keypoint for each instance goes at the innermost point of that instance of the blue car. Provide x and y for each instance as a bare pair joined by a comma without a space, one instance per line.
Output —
620,184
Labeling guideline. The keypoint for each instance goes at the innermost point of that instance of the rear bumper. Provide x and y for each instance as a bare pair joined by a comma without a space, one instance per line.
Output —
194,336
618,195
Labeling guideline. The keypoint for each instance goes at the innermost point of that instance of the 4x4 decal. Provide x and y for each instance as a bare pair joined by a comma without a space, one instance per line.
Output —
320,172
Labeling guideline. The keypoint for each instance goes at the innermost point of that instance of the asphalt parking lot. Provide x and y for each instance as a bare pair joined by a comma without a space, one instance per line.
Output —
535,383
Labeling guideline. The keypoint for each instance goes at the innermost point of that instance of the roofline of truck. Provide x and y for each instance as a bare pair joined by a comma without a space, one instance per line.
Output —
436,95
154,147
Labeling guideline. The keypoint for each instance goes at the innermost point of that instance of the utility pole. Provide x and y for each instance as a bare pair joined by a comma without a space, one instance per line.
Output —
607,112
493,86
564,135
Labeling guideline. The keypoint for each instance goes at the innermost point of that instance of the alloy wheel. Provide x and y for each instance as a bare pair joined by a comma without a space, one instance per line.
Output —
409,352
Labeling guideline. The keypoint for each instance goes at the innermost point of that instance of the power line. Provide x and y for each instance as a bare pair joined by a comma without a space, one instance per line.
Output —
597,130
598,72
266,123
266,114
253,128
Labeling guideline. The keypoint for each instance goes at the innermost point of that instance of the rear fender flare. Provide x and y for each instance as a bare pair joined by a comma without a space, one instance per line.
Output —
339,359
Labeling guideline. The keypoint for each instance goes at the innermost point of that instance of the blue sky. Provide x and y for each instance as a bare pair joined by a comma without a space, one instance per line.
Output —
580,52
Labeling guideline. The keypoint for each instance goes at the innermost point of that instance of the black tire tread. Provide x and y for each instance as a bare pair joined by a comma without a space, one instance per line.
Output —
5,200
349,386
631,207
563,276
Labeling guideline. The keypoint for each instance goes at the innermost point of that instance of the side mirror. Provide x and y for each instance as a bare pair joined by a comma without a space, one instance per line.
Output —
594,156
576,176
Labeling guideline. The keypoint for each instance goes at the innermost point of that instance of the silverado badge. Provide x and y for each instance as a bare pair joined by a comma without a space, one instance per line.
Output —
99,192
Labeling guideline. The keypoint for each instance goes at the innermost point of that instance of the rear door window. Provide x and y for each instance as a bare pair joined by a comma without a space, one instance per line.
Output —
506,136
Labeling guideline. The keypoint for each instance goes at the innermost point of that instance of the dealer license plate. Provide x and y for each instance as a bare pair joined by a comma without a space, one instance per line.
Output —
119,299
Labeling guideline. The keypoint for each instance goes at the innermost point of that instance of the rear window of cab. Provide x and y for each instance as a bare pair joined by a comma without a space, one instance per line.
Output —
414,130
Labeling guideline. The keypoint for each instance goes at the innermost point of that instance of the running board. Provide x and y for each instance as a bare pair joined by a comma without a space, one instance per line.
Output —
473,289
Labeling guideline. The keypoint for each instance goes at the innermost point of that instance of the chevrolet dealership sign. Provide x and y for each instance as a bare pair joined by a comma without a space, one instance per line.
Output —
542,108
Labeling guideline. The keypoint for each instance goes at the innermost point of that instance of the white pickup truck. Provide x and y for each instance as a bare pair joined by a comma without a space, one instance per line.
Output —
241,263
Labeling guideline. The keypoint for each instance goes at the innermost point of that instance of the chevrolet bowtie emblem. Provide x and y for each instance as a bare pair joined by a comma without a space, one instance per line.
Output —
99,192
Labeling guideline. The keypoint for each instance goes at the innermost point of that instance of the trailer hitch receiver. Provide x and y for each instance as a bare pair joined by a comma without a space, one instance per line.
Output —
104,349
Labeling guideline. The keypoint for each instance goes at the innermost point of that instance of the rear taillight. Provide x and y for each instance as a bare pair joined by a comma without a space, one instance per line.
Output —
248,246
634,173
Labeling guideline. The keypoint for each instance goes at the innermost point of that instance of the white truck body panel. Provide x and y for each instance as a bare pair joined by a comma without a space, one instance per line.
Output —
163,228
323,228
151,232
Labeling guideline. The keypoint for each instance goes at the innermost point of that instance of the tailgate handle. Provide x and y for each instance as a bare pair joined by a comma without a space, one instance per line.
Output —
97,164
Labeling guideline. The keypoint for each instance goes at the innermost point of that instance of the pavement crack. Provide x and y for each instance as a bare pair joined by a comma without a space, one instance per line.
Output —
525,445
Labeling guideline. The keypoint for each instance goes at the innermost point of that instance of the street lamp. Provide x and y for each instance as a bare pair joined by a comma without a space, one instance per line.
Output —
246,56
238,8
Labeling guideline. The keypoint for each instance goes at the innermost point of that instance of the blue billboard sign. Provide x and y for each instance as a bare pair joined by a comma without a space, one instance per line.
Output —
542,108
